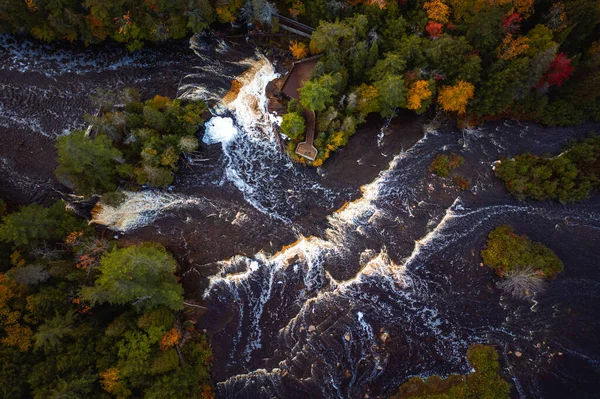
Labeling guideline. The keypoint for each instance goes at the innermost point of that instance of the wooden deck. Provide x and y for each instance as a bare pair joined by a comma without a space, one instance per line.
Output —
306,148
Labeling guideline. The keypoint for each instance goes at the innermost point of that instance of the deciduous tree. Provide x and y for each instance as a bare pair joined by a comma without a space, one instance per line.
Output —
455,98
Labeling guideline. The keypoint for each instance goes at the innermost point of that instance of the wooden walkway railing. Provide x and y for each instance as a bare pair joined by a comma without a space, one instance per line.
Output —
306,148
294,26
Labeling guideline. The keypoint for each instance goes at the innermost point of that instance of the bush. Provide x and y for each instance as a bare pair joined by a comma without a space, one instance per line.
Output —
461,182
442,165
508,252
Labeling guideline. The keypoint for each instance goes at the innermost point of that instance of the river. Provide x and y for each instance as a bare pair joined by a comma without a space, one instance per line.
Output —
338,282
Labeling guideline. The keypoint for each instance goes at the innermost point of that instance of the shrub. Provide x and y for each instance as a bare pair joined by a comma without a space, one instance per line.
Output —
442,165
461,182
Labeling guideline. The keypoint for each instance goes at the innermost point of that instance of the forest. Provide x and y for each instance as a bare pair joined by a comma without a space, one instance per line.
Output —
84,316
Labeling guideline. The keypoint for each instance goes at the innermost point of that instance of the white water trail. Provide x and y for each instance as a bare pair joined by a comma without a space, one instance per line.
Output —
139,209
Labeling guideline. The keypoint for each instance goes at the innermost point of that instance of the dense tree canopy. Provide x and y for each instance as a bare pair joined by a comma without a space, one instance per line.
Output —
56,344
506,251
569,177
142,276
474,59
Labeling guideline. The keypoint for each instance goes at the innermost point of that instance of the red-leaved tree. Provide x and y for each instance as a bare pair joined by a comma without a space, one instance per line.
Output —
434,29
560,69
512,23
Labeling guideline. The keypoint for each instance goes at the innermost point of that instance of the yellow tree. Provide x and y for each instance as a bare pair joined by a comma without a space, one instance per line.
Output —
15,334
298,49
455,98
418,93
523,7
110,380
170,338
437,11
512,47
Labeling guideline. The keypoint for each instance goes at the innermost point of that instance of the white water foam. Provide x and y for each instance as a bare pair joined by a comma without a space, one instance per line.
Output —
139,209
219,130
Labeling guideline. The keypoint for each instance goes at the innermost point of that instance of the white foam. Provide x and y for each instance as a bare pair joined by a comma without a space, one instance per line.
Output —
219,130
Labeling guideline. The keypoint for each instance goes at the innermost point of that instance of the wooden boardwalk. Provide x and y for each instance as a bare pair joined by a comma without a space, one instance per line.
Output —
298,76
294,26
307,148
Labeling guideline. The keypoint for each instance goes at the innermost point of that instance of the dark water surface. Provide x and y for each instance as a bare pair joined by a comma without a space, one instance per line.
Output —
321,288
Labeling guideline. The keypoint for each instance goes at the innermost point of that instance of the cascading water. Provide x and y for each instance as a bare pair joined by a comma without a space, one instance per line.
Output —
392,286
386,287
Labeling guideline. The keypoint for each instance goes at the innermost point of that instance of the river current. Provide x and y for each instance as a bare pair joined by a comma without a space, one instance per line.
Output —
338,282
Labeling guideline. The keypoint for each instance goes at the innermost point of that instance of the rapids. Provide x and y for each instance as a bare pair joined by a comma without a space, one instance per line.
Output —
342,282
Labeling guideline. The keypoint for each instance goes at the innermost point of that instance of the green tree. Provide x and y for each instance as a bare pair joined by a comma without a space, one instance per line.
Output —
87,165
392,94
141,275
293,125
315,96
33,224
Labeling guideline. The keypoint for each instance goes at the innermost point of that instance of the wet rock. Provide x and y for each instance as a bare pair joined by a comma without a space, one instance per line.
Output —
292,260
384,337
311,328
274,106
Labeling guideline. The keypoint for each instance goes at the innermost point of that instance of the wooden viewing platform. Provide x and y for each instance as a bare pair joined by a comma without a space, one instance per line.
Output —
293,82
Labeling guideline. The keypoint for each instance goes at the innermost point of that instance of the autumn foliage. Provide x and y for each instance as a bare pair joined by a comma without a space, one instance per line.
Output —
511,23
418,92
455,98
512,47
15,334
437,11
434,29
170,338
559,71
299,50
109,379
